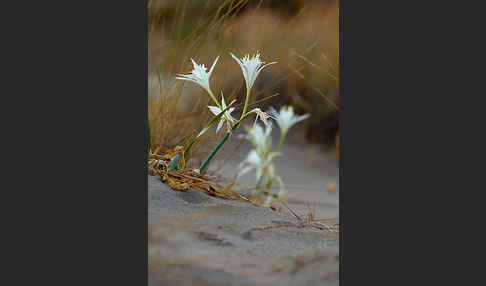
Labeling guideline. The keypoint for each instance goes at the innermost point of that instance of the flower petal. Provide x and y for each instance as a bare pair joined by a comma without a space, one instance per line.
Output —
214,109
212,67
244,170
223,104
220,124
243,69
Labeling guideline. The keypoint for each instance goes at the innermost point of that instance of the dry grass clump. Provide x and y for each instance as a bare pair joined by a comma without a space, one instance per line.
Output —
175,120
184,179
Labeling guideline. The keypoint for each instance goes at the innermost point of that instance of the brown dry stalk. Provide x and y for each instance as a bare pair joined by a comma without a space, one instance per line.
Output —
184,179
310,221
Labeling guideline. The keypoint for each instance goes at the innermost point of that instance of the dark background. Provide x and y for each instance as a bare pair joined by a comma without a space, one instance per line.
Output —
74,191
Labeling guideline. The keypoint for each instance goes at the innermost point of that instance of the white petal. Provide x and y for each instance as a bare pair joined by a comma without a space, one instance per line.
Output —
257,72
264,66
243,69
253,158
194,63
231,117
302,117
259,173
214,109
212,67
219,125
244,171
273,113
223,104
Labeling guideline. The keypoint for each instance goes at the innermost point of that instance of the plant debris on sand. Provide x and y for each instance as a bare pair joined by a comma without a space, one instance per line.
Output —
183,179
331,224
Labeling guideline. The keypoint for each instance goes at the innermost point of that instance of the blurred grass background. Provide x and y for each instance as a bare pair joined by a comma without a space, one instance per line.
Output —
302,36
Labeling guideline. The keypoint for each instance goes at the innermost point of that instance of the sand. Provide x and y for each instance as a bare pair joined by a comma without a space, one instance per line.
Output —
195,239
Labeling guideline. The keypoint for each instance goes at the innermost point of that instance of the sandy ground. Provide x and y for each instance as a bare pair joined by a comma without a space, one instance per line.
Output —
195,239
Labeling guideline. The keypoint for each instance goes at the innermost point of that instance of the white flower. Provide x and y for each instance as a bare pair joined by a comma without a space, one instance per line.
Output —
227,115
263,116
286,117
251,68
261,163
199,75
252,161
260,158
260,138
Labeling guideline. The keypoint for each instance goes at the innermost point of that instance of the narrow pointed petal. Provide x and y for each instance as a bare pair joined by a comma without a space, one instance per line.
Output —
214,109
220,124
265,65
223,104
302,117
243,68
244,171
212,67
261,68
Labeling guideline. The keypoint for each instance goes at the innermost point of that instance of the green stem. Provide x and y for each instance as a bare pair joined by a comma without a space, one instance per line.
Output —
269,184
208,159
215,100
221,142
260,181
246,103
282,139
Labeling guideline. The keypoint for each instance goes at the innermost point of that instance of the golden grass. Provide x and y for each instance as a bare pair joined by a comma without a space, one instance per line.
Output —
174,122
305,44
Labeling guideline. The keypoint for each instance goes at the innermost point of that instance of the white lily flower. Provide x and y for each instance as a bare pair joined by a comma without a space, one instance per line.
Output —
260,138
286,117
260,158
251,68
263,165
227,115
252,161
200,76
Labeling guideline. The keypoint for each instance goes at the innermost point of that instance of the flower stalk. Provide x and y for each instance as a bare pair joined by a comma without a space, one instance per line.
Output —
246,103
261,157
251,68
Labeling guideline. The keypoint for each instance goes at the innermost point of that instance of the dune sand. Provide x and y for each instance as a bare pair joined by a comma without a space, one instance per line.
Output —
195,239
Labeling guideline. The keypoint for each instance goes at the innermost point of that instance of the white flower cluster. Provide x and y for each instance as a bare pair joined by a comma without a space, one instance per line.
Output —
261,158
251,68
